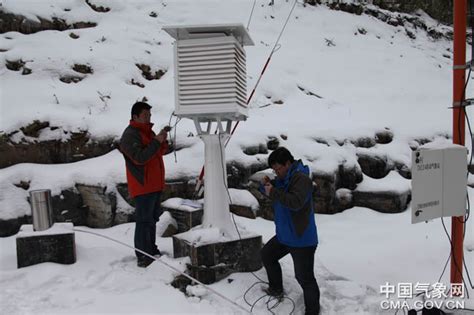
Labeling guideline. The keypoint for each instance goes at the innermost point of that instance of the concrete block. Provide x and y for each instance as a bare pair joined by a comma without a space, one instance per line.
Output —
56,244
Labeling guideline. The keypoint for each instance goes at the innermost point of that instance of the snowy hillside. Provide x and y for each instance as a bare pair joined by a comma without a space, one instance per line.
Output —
336,78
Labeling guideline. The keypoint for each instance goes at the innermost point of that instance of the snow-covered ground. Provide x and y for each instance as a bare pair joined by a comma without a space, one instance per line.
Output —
367,82
359,251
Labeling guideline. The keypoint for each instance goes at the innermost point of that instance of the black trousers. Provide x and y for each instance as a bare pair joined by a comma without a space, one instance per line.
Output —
303,260
147,213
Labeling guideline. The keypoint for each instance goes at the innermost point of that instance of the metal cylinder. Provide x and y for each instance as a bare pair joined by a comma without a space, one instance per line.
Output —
41,209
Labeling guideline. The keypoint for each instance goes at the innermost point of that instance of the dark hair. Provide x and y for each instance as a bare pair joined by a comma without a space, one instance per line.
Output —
138,107
280,156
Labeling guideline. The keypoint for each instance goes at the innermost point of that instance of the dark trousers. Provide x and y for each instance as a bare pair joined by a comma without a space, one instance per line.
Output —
147,213
303,260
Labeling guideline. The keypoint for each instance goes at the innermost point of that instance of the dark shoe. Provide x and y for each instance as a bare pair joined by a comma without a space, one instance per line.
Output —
156,252
144,262
274,292
317,312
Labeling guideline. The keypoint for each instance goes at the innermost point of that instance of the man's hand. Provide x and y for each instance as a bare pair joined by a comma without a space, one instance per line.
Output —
265,180
268,188
161,137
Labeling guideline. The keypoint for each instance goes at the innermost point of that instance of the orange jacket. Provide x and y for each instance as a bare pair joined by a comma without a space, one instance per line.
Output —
143,159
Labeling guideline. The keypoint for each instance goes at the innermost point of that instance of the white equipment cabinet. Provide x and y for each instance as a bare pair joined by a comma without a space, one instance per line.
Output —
210,87
439,182
210,71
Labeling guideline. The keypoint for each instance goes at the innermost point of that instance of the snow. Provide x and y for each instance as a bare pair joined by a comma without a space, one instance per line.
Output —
393,182
98,171
16,205
440,144
347,96
105,278
165,220
202,236
183,204
123,206
199,235
365,83
258,176
27,230
344,193
243,198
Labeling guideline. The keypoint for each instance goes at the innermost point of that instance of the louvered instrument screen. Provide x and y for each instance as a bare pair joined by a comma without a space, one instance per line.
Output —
211,78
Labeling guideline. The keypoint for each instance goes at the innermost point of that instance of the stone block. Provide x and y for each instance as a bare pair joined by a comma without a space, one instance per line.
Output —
375,166
324,193
68,206
213,262
265,209
186,219
12,226
167,225
102,205
56,244
384,136
243,211
181,189
385,202
170,231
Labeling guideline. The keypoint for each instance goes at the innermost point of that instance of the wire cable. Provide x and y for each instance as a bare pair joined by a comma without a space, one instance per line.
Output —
270,299
167,265
468,211
178,119
472,140
454,258
251,14
466,216
462,110
276,47
468,202
269,308
173,142
230,198
444,269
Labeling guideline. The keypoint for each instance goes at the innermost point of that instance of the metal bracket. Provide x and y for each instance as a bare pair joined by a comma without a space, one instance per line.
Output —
219,125
467,102
469,64
462,67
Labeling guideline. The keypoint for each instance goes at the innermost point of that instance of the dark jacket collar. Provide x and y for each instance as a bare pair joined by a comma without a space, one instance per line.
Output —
296,166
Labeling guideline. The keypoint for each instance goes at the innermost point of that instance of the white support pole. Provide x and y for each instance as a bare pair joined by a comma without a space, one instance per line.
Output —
216,198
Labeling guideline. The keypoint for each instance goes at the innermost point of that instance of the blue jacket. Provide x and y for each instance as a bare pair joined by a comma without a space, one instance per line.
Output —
293,208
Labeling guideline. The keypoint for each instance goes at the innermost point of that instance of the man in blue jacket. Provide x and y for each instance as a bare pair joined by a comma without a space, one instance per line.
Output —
296,233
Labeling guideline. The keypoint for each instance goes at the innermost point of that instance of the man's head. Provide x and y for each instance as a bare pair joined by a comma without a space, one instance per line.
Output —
141,112
280,161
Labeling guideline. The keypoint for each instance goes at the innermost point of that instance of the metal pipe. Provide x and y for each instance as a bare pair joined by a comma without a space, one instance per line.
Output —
41,209
459,77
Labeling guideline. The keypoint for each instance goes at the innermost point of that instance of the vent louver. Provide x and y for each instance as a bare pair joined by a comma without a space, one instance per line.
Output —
210,71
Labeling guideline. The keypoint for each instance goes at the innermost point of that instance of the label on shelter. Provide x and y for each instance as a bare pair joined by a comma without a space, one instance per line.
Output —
428,166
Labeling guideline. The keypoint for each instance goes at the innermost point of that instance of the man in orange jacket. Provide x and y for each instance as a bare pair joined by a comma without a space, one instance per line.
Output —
143,152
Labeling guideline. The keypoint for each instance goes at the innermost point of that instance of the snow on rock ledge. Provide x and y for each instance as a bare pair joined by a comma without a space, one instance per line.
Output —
390,194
